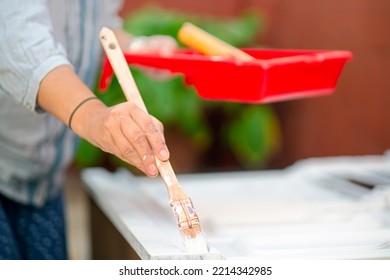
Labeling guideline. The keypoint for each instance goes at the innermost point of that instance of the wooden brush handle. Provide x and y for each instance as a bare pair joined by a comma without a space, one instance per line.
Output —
119,65
130,89
206,43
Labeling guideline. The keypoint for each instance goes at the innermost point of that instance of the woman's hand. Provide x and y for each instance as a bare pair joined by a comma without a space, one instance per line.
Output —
129,133
158,44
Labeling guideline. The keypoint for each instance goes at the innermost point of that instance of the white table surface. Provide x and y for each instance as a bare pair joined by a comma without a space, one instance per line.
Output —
305,211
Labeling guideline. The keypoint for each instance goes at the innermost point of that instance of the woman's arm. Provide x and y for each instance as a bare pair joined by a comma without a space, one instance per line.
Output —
123,130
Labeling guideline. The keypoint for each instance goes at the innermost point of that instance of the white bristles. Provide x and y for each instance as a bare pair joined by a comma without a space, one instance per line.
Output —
197,244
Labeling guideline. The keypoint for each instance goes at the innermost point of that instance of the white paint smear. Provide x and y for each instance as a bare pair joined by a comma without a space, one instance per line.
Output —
196,245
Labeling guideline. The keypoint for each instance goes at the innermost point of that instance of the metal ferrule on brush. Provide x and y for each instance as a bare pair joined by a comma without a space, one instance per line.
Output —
185,214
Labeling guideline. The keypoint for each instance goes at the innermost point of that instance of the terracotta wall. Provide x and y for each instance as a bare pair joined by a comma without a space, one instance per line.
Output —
356,120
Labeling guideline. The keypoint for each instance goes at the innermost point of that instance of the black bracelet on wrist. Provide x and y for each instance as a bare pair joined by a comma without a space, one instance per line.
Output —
77,107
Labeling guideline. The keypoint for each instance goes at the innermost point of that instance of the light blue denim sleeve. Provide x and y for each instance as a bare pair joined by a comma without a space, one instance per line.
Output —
28,50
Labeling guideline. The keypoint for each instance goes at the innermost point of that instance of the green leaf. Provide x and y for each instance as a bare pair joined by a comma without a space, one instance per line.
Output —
254,136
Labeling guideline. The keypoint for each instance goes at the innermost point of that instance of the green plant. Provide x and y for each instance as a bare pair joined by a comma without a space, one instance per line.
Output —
240,134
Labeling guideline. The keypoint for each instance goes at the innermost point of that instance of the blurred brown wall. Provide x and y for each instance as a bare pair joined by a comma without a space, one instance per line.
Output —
356,120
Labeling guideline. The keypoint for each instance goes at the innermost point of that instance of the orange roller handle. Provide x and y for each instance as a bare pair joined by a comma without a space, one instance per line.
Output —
198,39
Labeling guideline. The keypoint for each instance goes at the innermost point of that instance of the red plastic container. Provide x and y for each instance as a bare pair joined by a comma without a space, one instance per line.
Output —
273,75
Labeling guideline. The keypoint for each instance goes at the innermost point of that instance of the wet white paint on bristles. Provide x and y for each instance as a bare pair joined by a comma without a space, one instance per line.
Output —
196,245
188,219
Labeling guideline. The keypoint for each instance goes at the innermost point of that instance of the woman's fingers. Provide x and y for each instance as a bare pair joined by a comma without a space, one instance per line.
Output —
157,44
141,152
131,134
125,150
164,45
153,130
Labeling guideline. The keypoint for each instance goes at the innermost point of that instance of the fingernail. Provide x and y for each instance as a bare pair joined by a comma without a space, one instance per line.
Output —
164,153
152,169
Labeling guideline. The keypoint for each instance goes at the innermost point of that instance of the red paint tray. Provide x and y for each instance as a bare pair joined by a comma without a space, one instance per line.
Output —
273,75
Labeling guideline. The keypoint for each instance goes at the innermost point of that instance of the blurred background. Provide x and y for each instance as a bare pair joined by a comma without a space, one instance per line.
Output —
208,136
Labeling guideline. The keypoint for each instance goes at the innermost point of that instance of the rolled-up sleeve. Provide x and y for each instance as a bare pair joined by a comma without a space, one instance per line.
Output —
28,50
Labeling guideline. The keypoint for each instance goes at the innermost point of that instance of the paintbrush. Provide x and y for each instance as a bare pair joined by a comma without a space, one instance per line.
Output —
193,235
